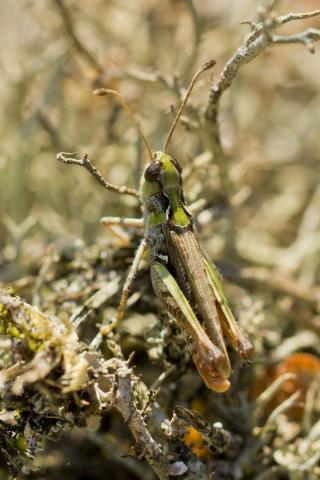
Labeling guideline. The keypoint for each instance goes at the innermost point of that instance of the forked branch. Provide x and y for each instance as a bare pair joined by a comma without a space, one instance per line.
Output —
68,157
260,37
307,38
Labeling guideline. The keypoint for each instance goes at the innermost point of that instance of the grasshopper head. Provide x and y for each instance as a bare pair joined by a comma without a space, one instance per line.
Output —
164,170
163,175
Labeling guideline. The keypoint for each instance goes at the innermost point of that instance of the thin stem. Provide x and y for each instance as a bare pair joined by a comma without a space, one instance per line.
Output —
106,91
67,157
290,17
307,38
195,77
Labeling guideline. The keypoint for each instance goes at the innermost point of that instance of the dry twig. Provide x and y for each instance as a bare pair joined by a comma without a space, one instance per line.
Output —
68,157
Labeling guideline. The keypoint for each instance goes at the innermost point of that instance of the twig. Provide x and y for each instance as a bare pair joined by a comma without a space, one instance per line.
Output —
96,301
274,280
67,157
40,280
112,451
271,473
254,44
163,377
48,126
290,17
268,394
307,38
196,22
280,409
125,404
169,81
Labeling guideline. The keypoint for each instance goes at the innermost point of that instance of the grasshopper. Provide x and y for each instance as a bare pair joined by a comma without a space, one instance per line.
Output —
186,283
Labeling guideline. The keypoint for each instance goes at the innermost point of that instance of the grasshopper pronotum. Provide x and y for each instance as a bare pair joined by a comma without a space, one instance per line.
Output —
186,283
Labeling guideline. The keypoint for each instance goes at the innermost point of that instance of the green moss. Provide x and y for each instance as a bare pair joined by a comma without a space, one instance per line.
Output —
7,327
34,344
22,444
4,321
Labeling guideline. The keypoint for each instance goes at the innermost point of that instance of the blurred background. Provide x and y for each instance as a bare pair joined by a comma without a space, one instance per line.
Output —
52,60
262,225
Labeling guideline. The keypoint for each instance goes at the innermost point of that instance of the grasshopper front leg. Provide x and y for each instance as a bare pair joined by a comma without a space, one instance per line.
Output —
122,222
211,362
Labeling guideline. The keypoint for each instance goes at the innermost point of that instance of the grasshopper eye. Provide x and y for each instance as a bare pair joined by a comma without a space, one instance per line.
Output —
152,172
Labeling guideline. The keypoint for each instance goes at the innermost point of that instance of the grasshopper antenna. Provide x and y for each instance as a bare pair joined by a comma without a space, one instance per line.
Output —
106,91
195,77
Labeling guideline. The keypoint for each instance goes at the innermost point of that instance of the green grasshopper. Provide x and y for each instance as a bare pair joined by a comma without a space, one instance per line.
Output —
185,282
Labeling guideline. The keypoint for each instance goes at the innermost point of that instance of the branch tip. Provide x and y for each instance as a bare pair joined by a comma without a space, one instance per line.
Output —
102,92
208,65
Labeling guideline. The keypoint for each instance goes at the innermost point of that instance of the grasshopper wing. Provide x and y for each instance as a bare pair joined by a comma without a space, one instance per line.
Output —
228,323
206,356
188,264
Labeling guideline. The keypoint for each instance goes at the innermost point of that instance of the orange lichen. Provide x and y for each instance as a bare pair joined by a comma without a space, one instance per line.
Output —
194,440
305,367
193,437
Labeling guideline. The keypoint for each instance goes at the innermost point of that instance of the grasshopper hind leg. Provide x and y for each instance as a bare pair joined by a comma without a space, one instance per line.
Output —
212,365
232,331
229,326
